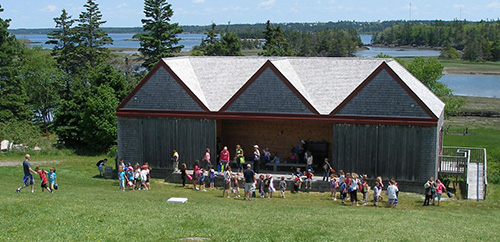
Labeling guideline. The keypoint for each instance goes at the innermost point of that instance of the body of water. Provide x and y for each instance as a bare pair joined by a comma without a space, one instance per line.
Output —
463,85
119,40
190,40
473,85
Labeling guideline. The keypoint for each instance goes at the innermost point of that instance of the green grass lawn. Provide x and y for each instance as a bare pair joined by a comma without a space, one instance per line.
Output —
90,208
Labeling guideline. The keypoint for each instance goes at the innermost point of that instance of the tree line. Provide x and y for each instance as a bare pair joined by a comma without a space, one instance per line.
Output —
472,41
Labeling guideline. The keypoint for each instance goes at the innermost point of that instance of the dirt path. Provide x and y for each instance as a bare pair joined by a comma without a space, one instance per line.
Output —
33,163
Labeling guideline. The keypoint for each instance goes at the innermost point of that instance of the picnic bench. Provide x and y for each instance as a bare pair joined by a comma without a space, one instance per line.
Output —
276,165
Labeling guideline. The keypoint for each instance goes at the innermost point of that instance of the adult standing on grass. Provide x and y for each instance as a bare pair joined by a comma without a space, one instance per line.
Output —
100,164
256,158
28,177
249,175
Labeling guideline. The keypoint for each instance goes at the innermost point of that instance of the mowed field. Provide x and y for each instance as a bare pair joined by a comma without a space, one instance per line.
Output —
90,208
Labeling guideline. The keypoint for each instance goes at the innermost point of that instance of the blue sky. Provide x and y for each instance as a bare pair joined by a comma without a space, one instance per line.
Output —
128,13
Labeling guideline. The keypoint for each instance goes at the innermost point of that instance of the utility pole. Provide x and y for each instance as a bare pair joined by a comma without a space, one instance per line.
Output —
410,11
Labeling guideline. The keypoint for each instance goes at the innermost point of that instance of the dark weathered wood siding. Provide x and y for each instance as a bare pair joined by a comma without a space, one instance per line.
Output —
153,140
406,153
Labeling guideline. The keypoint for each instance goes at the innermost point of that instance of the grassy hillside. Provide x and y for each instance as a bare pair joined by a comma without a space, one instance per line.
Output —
90,208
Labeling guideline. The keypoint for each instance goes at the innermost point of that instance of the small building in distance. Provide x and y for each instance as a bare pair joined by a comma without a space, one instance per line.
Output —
375,117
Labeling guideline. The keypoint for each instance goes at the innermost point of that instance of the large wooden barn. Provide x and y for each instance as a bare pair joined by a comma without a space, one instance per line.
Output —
372,115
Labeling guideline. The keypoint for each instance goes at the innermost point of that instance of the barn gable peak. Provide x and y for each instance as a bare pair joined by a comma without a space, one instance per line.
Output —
269,91
384,94
162,90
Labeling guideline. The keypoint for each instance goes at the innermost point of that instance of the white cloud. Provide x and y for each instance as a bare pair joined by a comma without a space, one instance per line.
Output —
267,3
294,10
50,8
198,1
494,5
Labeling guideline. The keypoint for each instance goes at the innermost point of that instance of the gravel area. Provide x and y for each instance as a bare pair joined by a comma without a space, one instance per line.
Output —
32,163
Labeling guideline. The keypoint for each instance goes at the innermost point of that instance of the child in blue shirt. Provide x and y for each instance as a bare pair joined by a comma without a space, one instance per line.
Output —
52,178
121,178
212,177
202,180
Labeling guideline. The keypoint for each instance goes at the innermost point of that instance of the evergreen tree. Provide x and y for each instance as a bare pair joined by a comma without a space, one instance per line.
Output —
160,37
63,37
227,45
91,37
276,43
13,99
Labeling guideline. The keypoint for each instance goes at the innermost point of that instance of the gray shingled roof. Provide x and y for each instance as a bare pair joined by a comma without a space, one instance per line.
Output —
323,82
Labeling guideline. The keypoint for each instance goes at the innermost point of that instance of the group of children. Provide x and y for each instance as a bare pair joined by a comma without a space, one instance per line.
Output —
349,184
133,178
433,190
48,180
264,185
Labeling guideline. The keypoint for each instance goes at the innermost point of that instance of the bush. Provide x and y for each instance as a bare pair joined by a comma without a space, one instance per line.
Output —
494,166
450,53
20,132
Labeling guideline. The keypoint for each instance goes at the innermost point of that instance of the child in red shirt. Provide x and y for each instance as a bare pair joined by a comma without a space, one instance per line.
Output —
43,179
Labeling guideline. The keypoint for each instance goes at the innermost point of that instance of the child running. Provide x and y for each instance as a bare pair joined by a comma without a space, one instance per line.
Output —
52,178
43,179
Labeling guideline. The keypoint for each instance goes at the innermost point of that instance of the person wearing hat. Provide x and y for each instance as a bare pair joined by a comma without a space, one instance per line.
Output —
256,158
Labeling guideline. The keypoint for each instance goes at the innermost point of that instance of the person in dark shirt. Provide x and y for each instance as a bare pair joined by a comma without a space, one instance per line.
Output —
249,175
100,164
28,177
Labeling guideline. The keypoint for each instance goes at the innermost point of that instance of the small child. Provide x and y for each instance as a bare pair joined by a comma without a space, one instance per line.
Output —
121,178
391,194
334,184
183,174
308,174
235,184
260,186
283,186
202,180
52,178
43,179
376,193
144,177
343,191
380,187
267,185
137,176
129,176
364,189
271,186
211,176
